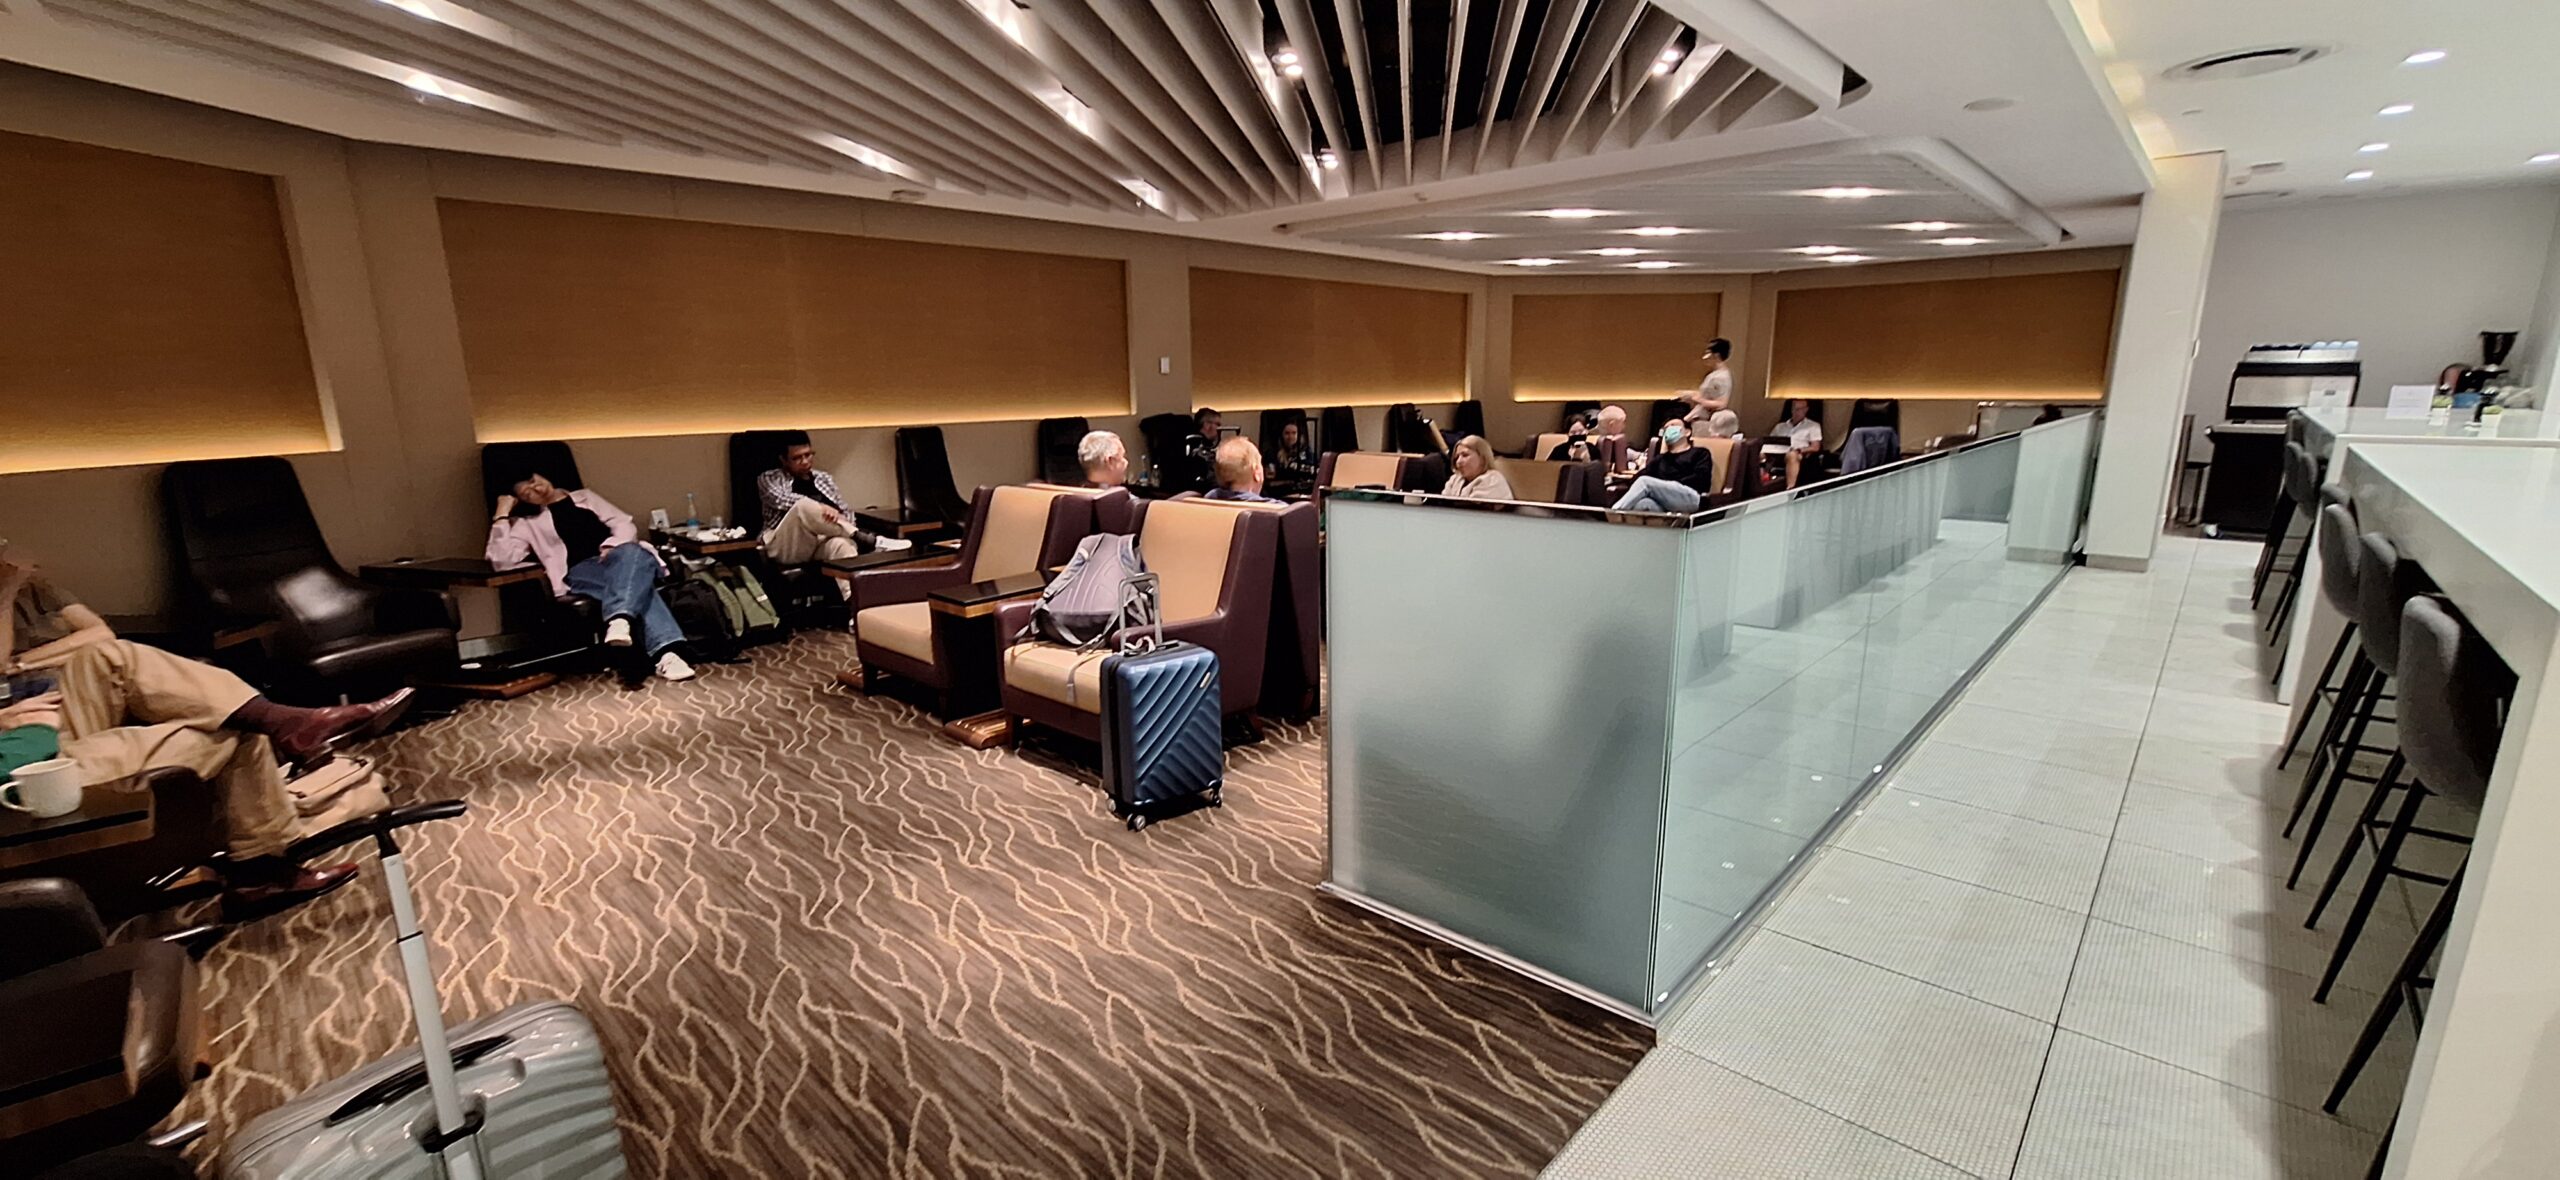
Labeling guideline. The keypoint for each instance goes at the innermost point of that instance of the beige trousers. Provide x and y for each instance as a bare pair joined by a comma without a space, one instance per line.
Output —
805,534
127,708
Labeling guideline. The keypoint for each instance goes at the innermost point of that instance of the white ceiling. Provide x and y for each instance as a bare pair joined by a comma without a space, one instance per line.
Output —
1179,123
2481,113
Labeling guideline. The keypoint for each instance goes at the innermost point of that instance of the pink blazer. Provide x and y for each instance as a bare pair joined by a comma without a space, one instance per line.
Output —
526,540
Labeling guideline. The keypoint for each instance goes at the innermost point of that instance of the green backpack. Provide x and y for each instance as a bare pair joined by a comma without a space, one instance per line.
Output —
745,610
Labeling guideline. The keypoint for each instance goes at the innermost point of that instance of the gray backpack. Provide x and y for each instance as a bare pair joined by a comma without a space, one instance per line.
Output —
1082,605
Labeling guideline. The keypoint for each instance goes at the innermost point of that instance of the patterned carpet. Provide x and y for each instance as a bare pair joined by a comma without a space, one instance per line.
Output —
820,941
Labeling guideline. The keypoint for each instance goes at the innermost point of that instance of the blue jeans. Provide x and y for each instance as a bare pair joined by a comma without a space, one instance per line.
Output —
625,581
1658,495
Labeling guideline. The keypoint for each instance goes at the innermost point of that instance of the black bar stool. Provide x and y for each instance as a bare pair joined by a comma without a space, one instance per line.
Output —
2279,521
2335,537
2303,474
2453,696
2384,584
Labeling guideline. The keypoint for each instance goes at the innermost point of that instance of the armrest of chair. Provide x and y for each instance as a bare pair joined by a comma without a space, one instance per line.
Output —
43,921
909,582
1012,616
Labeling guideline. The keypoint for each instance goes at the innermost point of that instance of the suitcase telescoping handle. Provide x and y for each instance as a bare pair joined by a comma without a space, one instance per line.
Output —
1140,604
455,1137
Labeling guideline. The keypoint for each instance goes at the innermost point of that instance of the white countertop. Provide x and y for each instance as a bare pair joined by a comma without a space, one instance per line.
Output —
2376,421
2483,521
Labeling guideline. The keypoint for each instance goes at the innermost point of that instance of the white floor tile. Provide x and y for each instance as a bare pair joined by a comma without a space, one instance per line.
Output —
2188,716
2021,857
2243,913
1991,946
2233,1020
2022,787
2219,768
2103,1113
2232,830
2063,698
1947,1075
1681,1115
2098,749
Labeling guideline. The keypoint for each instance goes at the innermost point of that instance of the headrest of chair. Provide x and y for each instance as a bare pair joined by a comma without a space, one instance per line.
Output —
503,465
1353,469
1013,531
1531,479
227,508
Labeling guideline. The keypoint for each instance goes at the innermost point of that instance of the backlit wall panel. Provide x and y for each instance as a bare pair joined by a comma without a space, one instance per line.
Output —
2037,337
588,325
147,312
1262,341
1609,347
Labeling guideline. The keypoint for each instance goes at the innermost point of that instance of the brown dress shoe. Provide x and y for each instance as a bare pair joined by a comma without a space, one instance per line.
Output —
313,739
245,900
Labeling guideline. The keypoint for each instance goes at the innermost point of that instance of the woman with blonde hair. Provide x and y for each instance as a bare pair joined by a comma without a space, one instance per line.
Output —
1471,472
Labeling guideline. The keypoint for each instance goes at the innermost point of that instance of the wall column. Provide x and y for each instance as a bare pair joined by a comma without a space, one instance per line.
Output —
2153,357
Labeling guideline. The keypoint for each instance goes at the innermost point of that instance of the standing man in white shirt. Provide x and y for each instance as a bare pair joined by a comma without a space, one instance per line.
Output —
1714,394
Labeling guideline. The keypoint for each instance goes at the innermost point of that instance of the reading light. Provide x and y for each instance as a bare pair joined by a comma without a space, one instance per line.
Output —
1293,70
1286,57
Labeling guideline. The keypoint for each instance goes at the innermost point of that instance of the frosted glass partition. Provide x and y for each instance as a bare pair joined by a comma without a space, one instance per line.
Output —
1595,746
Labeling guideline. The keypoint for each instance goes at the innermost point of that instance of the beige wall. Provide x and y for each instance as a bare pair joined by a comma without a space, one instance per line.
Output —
387,349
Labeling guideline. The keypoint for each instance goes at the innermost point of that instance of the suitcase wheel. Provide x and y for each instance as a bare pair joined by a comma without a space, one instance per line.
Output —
1217,798
1137,821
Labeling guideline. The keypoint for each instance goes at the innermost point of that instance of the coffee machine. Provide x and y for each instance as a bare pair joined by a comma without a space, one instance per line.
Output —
2492,373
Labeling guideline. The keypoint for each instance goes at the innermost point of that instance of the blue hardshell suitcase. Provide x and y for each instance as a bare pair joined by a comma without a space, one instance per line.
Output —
1163,737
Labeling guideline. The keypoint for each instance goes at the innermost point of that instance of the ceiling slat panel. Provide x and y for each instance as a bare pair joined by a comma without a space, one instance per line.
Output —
1221,58
1143,106
1164,59
1298,20
1545,62
1355,56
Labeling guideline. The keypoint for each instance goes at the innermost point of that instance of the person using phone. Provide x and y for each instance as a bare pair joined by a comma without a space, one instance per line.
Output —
1609,423
590,547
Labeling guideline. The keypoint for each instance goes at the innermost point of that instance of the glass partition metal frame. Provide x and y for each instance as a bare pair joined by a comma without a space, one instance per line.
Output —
1592,745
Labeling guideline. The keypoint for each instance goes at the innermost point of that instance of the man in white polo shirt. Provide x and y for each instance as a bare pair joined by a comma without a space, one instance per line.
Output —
1804,435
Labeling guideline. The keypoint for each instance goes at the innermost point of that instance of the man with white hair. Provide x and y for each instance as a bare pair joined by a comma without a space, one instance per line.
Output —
1105,459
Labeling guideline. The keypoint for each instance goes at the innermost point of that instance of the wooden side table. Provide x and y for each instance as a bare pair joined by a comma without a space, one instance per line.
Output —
969,634
118,811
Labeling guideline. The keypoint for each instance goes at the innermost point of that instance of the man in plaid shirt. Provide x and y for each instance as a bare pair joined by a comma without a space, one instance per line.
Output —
804,514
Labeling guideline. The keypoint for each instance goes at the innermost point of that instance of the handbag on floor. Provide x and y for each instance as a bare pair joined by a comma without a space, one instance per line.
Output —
347,788
1163,735
521,1094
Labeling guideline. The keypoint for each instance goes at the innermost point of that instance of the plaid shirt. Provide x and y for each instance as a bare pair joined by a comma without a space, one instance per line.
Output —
773,489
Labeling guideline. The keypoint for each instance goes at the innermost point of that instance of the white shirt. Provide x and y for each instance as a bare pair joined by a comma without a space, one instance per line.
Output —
1801,435
1488,486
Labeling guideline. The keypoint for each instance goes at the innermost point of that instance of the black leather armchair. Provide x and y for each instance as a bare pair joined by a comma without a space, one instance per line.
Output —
246,546
925,490
1057,450
103,1039
809,596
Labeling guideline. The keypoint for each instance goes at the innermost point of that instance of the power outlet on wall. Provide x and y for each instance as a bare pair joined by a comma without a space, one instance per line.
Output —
1164,366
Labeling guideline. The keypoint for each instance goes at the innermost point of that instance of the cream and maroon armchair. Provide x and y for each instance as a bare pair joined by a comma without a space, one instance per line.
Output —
1214,569
1012,530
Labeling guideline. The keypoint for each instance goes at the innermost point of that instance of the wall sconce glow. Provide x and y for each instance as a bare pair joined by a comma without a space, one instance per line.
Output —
1533,262
2397,108
1845,192
1958,241
1924,227
2423,57
1617,251
2361,174
1568,214
2371,148
1454,235
1653,264
865,155
1659,231
1817,250
1847,258
1003,15
1147,194
1073,110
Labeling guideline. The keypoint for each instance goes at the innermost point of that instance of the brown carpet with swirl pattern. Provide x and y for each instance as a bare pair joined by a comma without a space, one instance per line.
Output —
820,940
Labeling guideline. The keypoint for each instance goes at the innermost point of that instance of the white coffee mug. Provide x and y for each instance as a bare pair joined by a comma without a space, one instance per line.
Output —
43,789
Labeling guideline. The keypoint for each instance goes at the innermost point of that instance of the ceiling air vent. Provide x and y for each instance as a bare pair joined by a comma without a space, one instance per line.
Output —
2246,63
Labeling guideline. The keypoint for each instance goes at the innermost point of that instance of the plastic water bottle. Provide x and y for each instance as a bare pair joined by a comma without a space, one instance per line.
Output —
692,519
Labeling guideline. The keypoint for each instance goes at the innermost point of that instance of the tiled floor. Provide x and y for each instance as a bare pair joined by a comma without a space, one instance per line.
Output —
2056,944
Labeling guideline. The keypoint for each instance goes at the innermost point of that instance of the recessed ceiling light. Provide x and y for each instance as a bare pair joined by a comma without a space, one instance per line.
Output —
1658,231
2377,146
2397,108
415,8
1924,227
1845,192
1575,214
1661,68
2423,57
2361,174
1958,241
1454,235
1653,264
1533,262
1618,251
1328,159
2545,158
1817,249
1286,57
1671,54
1846,258
1293,70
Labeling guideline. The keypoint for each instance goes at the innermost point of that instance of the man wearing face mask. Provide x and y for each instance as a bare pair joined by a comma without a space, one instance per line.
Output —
1676,479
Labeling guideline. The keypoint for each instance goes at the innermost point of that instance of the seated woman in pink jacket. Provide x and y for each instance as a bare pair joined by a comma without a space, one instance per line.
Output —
590,547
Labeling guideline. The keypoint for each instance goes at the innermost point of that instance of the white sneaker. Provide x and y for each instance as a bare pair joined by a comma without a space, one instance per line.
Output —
617,633
672,667
892,544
